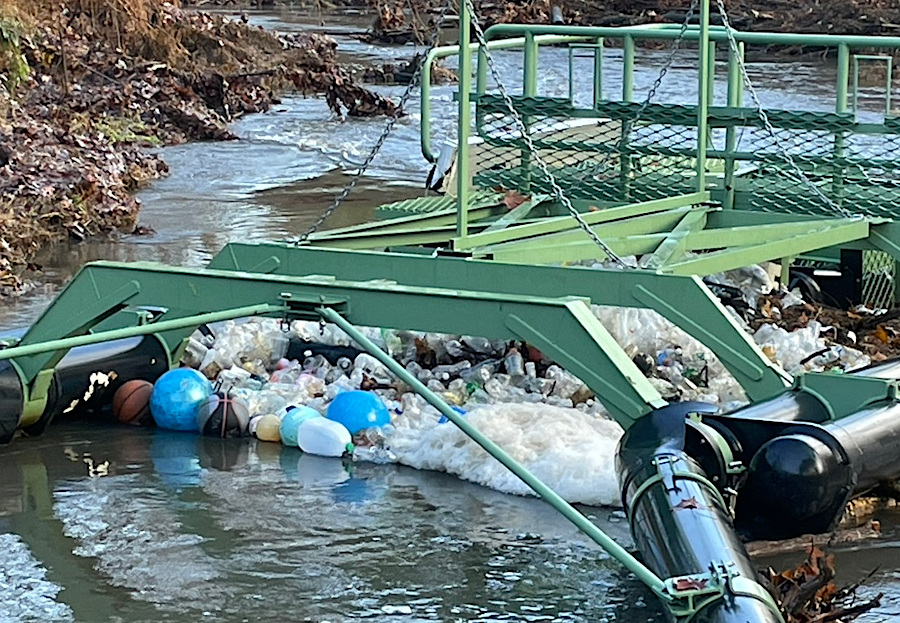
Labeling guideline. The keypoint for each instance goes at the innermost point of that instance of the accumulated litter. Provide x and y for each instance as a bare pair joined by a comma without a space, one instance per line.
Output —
308,385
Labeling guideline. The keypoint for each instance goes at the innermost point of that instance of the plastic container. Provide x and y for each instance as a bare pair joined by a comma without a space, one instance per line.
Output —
291,419
323,437
514,363
266,427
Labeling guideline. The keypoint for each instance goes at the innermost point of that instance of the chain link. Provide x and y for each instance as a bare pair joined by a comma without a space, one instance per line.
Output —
529,143
388,128
769,128
676,45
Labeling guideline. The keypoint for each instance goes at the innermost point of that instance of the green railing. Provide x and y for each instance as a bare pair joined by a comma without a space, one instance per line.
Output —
853,162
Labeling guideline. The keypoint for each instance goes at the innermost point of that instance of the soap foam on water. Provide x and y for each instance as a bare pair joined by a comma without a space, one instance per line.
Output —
572,452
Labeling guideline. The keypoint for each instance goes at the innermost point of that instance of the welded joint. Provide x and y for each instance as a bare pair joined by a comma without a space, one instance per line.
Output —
689,594
306,307
36,395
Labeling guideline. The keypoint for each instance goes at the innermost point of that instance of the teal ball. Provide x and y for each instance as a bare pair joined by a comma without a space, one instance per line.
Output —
291,420
176,398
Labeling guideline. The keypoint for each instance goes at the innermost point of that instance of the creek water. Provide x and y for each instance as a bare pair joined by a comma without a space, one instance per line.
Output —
192,529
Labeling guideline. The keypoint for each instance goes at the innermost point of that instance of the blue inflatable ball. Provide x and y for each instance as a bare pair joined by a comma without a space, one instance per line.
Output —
177,396
291,420
358,410
444,418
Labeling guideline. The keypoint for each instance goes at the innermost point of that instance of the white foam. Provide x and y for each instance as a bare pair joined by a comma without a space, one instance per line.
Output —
571,451
25,593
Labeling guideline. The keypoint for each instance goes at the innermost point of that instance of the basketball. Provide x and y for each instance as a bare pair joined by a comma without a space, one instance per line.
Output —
222,415
131,403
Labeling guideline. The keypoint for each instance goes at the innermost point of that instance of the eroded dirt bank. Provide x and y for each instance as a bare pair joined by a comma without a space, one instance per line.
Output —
86,86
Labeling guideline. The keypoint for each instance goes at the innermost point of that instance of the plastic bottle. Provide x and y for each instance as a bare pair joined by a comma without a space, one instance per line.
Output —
563,383
372,368
478,345
514,364
194,354
446,372
392,342
455,349
480,373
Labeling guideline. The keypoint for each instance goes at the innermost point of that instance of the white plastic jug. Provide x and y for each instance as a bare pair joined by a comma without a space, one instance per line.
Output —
324,437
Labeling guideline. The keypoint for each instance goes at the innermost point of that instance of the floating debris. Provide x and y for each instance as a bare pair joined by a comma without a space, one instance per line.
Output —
807,593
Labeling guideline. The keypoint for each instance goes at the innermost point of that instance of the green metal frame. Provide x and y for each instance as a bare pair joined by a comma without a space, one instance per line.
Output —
562,327
683,300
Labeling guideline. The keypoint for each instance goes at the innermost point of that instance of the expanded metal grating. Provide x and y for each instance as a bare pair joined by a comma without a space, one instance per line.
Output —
599,154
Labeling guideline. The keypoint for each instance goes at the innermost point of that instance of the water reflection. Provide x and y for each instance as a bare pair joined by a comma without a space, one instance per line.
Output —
186,525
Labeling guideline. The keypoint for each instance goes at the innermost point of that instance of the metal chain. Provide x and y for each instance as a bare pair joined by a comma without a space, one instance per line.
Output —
769,128
388,128
529,143
670,58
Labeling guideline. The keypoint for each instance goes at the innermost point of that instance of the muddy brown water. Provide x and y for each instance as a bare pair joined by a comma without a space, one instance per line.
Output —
190,529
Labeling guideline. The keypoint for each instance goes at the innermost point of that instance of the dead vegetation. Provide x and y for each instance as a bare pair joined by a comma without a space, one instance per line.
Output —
808,594
399,21
86,84
877,335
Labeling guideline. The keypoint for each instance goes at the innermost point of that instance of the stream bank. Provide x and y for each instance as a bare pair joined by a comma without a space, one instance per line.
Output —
87,89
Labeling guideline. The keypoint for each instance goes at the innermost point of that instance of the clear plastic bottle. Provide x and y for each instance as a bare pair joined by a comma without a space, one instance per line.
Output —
194,354
450,371
480,373
478,345
514,363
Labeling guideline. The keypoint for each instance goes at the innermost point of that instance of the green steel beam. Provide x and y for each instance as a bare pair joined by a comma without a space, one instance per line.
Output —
380,239
684,301
568,252
615,550
544,249
562,325
674,246
416,221
464,121
634,226
724,237
565,223
518,213
703,99
738,257
66,343
693,34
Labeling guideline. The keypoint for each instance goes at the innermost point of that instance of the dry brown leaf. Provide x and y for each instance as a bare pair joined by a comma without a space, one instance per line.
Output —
513,199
